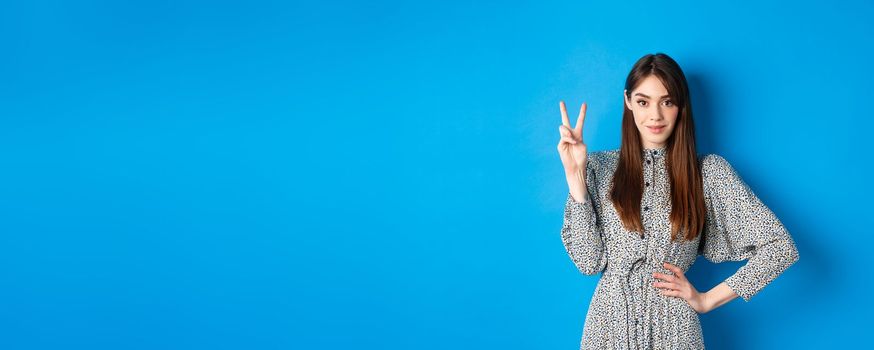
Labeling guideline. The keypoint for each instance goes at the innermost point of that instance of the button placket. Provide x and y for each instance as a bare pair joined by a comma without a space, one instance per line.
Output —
649,176
641,319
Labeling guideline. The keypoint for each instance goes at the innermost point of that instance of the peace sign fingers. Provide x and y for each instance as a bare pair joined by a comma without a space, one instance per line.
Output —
577,130
571,148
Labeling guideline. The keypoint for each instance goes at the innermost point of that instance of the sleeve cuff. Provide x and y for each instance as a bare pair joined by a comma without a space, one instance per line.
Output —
740,288
576,207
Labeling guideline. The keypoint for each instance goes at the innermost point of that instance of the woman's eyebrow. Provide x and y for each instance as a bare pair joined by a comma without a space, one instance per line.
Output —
641,94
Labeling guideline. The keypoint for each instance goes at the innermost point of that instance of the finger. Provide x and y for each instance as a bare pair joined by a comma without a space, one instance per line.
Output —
670,293
564,118
666,285
581,118
568,140
566,132
665,277
676,270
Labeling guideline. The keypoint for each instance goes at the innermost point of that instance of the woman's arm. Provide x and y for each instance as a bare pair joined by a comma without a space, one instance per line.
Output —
717,296
741,227
581,232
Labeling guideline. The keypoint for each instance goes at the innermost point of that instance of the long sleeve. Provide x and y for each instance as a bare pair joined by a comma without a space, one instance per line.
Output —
740,227
581,231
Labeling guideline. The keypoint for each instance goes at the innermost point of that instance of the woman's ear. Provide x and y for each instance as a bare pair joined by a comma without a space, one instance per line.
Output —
625,99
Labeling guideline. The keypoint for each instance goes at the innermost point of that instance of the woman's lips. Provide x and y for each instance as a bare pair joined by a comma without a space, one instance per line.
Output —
656,129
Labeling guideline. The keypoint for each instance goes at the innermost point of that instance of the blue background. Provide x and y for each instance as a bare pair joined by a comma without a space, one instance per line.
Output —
326,175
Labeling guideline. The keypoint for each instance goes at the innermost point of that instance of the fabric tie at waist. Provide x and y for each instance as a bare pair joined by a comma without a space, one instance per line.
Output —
634,275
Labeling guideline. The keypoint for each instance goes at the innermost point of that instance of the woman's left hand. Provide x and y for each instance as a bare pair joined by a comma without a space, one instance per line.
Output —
678,286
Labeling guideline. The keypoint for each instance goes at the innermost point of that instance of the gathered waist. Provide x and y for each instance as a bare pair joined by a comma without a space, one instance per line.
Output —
639,267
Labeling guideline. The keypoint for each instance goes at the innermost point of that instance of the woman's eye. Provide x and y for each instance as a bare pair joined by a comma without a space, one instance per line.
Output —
669,103
641,102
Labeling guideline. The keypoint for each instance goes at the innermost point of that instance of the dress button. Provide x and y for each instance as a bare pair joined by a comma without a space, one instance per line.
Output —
647,183
646,208
647,161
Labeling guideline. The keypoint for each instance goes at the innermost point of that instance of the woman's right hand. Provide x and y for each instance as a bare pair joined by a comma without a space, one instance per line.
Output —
571,147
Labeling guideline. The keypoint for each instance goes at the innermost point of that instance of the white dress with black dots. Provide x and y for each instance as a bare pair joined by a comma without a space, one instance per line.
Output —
626,310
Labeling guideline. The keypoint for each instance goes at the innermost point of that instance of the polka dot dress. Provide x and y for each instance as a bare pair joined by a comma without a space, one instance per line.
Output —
627,311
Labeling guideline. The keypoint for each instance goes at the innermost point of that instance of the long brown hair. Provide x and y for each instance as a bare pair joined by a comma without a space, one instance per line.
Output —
687,189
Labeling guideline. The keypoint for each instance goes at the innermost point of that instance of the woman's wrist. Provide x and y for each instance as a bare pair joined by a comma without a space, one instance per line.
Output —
717,296
576,185
706,303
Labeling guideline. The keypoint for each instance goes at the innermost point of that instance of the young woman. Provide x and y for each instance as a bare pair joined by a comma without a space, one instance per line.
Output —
641,214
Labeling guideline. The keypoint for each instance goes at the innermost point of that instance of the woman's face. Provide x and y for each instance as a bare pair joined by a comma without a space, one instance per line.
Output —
654,111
